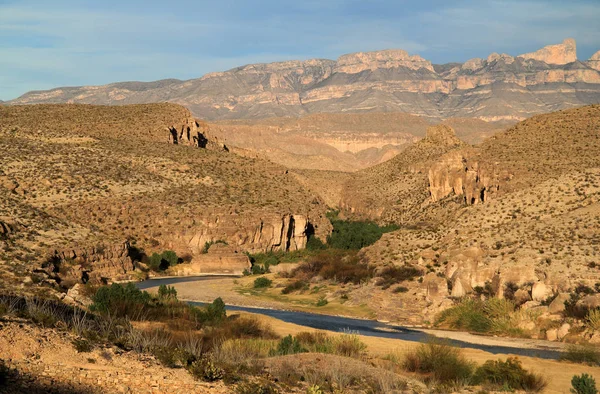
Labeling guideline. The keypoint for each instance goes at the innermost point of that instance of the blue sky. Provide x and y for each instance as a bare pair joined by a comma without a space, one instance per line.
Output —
45,44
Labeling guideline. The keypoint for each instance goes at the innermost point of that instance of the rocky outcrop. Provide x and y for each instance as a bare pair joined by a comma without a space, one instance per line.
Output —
555,54
455,173
5,230
499,87
288,232
220,259
594,61
194,133
96,264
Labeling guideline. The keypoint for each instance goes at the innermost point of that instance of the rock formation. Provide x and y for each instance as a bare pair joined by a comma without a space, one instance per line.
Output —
194,133
456,174
555,54
594,61
97,264
500,87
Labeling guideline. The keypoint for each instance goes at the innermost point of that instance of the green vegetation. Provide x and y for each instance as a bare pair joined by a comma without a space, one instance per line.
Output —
446,365
583,354
161,262
262,282
391,275
167,293
208,244
508,375
289,345
355,234
583,384
441,362
494,315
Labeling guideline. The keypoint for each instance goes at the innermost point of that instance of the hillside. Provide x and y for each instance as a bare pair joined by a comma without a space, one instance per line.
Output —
84,180
520,209
500,87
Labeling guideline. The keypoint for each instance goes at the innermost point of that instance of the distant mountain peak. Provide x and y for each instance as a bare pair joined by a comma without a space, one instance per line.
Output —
555,54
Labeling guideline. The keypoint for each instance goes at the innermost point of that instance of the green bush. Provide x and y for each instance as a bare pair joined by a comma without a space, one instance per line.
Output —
160,262
583,354
400,289
333,265
262,282
315,243
509,375
289,345
212,313
167,292
261,387
467,315
322,301
584,384
120,300
295,286
443,363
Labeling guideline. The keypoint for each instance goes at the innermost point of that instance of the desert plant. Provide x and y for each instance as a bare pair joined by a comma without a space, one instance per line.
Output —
289,345
322,301
584,354
120,300
262,282
205,369
443,363
583,384
167,292
262,386
82,345
509,375
593,319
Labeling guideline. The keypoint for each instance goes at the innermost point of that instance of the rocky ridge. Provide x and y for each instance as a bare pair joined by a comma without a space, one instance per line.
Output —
500,87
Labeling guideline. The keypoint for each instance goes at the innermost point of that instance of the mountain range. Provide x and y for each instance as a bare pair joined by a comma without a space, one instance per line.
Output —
498,88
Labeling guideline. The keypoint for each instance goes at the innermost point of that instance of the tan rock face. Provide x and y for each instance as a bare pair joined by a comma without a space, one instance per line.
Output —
220,259
594,61
361,61
555,54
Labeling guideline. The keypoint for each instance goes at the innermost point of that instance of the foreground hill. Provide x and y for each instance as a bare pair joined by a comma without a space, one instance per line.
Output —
500,87
86,179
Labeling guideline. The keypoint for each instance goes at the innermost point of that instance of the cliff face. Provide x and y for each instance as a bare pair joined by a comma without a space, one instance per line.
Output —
501,87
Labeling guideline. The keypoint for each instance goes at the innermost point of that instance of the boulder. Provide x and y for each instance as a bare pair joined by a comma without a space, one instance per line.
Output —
590,301
540,292
552,334
435,286
563,330
522,296
458,290
558,304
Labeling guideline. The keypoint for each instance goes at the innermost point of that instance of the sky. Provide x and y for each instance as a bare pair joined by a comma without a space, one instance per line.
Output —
46,44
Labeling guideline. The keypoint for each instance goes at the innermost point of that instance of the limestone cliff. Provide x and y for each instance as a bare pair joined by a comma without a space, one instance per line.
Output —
594,61
555,54
499,87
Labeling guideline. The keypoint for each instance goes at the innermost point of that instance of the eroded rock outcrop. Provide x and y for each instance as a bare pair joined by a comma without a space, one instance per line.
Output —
594,61
194,133
96,264
555,54
288,232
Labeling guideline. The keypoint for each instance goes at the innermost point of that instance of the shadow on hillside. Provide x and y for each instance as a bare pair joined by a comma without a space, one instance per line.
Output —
18,382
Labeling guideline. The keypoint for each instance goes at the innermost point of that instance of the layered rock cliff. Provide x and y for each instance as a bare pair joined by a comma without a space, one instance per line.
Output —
500,87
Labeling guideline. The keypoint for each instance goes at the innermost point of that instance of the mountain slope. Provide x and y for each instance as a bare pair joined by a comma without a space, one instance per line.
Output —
500,87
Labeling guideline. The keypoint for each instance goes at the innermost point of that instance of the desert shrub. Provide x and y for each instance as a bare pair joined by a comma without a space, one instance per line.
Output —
441,362
167,292
289,345
391,275
509,375
160,262
295,286
322,301
583,354
468,315
593,319
332,265
43,312
167,355
349,345
315,243
211,313
247,327
400,289
206,369
82,345
262,282
355,234
262,386
120,300
584,384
